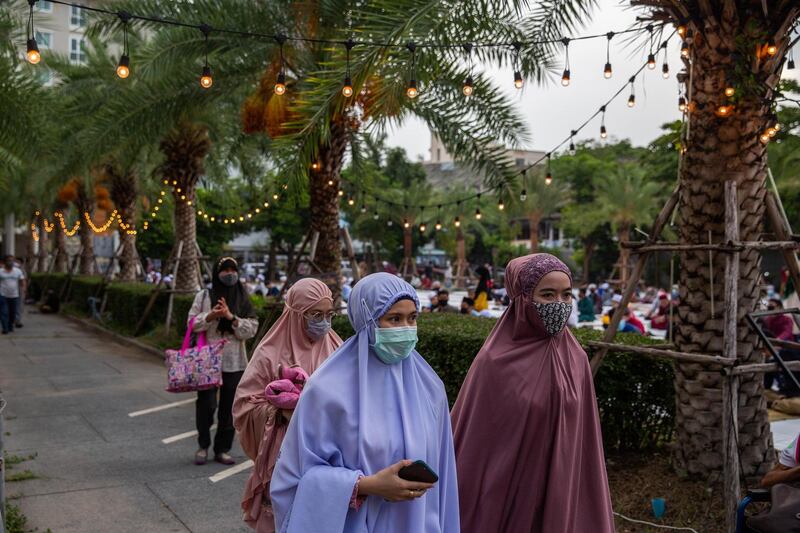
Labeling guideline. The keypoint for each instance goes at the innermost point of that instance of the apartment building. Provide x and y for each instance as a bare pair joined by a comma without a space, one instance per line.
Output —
61,29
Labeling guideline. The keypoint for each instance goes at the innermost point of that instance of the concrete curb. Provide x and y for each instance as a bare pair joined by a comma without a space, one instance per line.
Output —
122,339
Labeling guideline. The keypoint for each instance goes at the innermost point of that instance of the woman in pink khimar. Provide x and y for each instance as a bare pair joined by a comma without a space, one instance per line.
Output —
529,450
301,338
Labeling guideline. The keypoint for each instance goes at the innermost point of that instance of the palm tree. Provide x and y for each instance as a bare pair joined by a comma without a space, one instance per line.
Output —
626,199
123,185
741,45
542,198
313,123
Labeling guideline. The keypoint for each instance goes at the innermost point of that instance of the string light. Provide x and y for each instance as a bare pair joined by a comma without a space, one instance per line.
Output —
651,57
412,91
62,222
772,49
468,88
632,97
406,223
684,49
603,132
347,88
518,82
790,63
32,53
548,179
572,134
280,83
206,80
478,214
665,66
34,232
607,72
729,91
500,205
681,29
375,215
422,227
523,195
724,111
315,165
681,104
104,227
565,77
124,65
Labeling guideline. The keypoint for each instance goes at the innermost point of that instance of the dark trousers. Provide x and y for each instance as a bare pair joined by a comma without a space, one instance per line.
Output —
204,413
8,313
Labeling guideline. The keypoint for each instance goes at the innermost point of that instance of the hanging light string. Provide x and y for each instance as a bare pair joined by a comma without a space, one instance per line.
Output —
314,40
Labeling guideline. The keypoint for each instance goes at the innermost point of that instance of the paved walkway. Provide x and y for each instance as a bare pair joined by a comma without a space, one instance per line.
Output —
69,394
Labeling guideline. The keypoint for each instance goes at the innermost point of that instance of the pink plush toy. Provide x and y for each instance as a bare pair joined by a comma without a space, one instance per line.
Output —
284,393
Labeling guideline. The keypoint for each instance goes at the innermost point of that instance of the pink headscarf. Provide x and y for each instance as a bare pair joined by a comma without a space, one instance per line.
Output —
529,450
260,426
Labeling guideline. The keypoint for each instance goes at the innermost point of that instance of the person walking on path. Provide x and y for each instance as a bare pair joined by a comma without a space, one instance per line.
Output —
526,428
371,409
301,338
12,289
224,312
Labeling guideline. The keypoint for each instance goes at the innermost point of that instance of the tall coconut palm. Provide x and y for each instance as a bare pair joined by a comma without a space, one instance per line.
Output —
626,199
123,188
742,44
541,199
313,121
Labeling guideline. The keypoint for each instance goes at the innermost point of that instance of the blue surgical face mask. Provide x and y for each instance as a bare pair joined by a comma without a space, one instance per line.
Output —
316,329
392,345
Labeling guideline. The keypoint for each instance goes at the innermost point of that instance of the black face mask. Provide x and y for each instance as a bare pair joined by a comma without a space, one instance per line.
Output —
442,303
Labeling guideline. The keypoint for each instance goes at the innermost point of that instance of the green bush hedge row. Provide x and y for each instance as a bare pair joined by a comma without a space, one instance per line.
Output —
635,395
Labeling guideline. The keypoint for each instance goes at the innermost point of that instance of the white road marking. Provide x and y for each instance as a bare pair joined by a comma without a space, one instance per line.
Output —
181,436
231,471
160,407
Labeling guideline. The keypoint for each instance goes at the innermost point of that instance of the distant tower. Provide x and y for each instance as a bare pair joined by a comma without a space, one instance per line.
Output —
438,153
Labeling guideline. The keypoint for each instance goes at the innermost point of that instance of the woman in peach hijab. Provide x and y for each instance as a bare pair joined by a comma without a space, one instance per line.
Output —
301,338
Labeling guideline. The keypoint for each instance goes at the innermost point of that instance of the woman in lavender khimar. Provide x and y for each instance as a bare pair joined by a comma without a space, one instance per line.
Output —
526,428
372,408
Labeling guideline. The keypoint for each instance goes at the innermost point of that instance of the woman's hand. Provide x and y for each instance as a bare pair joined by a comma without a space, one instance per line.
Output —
391,487
223,308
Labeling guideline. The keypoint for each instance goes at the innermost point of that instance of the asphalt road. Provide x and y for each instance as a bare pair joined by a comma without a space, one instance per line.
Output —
70,394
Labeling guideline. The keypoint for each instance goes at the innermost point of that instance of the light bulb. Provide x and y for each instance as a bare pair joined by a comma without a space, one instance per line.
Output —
684,49
772,49
603,132
565,78
548,179
406,223
33,54
777,127
363,208
123,68
478,214
206,81
665,71
607,72
682,104
389,222
632,100
651,61
347,90
422,228
412,91
330,183
314,166
501,206
723,111
772,132
438,225
457,222
571,148
729,91
280,85
341,192
764,138
790,64
681,30
375,215
351,202
518,83
523,195
468,87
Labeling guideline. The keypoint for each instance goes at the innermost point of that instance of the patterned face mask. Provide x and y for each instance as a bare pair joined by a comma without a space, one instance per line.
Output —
554,316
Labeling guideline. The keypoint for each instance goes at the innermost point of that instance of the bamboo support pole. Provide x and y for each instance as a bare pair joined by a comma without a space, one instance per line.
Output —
175,266
660,353
638,269
640,247
783,231
762,368
730,382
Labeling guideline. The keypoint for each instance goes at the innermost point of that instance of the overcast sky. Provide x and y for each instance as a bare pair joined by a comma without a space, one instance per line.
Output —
551,111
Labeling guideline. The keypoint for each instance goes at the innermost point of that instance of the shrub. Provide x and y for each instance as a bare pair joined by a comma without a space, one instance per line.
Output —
635,395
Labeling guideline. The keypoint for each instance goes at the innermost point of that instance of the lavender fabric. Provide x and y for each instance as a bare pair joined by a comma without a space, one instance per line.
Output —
529,449
357,416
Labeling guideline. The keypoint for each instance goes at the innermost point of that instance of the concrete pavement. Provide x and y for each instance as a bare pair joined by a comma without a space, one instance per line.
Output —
69,394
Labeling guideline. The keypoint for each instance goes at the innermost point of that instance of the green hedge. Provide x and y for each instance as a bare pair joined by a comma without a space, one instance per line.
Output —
635,395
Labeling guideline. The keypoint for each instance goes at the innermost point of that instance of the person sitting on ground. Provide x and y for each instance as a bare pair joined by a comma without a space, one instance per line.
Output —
442,302
585,307
433,305
631,318
51,303
781,326
468,308
660,319
788,468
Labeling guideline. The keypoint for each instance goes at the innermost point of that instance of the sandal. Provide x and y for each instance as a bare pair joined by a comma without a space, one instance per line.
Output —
224,458
200,457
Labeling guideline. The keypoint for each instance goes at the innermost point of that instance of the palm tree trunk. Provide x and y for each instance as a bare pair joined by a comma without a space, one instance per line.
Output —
324,202
86,264
624,235
124,188
719,149
534,219
62,259
30,254
588,247
44,239
127,258
186,230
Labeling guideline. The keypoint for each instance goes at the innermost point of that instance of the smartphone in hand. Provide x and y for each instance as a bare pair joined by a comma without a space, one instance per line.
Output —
418,471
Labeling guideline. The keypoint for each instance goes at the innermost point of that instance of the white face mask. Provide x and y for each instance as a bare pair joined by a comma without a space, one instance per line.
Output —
316,329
